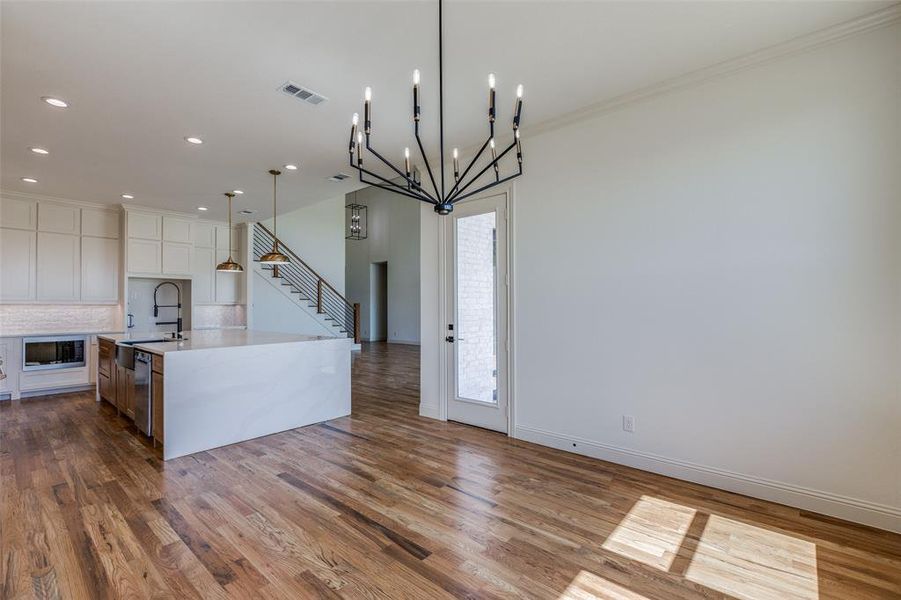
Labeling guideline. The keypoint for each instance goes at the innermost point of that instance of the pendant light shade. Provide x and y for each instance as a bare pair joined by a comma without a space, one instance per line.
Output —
275,257
229,266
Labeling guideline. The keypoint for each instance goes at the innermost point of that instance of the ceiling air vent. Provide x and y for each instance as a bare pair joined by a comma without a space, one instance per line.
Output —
338,177
301,93
246,212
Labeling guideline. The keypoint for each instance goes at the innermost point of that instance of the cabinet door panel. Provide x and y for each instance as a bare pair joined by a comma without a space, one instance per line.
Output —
58,267
59,218
144,256
177,258
99,269
18,254
204,235
178,230
18,214
145,226
227,284
202,291
99,223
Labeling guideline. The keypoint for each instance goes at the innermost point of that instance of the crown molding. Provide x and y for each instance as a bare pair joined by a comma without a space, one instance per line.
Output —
158,211
869,22
56,200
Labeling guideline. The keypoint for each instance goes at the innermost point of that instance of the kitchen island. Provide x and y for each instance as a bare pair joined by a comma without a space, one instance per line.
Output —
215,388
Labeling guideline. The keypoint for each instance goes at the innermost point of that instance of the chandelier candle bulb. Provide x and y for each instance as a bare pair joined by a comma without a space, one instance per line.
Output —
407,161
456,165
367,109
517,111
416,95
353,131
491,95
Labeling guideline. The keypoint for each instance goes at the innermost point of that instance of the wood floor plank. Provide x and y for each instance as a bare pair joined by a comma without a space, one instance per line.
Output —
384,504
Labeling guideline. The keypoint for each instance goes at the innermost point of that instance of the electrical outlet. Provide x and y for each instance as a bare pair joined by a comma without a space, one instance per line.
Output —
629,423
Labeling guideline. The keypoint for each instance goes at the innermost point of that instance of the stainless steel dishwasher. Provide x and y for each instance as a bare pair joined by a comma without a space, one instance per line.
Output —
143,397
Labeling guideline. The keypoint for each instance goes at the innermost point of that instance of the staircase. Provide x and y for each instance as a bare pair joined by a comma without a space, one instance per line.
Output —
307,286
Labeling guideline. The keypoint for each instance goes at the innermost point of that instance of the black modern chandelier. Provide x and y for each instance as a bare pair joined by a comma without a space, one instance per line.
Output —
442,196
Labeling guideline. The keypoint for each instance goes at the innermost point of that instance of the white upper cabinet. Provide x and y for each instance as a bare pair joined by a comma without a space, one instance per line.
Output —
99,269
177,258
58,267
145,226
204,235
18,213
202,290
59,218
227,283
18,253
145,256
178,230
100,223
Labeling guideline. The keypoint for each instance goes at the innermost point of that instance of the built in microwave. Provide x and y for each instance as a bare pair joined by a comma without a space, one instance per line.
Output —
53,352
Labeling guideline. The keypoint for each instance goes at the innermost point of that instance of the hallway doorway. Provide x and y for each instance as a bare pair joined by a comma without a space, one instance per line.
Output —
378,301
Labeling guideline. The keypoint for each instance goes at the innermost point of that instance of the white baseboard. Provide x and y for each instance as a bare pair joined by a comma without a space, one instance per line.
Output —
851,509
429,410
405,342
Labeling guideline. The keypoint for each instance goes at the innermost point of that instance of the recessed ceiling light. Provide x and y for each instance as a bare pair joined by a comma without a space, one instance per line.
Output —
238,192
202,208
55,102
128,196
38,150
29,180
193,140
291,167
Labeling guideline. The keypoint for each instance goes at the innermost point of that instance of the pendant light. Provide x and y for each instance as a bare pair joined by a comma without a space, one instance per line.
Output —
229,266
275,257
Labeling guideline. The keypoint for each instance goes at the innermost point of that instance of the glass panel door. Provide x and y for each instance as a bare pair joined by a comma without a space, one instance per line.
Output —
476,302
477,313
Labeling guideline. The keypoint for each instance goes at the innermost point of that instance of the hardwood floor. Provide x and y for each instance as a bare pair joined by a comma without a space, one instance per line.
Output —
385,504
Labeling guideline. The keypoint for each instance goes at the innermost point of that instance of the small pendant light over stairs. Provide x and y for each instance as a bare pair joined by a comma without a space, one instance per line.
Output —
229,266
275,257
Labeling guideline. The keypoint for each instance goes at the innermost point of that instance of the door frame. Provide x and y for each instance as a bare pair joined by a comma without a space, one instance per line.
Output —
444,381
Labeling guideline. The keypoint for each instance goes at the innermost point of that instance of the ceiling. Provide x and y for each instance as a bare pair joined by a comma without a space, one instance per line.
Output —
140,76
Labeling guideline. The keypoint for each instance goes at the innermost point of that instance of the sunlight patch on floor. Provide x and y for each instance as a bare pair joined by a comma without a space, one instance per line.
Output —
652,532
588,586
753,563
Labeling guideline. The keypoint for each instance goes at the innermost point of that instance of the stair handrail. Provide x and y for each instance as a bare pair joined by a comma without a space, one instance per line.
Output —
288,250
353,307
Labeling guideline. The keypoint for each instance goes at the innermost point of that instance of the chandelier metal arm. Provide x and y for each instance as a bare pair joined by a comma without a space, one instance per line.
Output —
425,159
488,186
469,167
456,197
409,181
413,192
391,186
396,191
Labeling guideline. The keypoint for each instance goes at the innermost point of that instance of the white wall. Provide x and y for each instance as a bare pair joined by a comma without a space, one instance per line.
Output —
316,234
393,238
723,263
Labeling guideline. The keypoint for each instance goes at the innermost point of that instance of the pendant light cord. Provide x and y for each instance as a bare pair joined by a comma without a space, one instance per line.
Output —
274,214
441,94
229,226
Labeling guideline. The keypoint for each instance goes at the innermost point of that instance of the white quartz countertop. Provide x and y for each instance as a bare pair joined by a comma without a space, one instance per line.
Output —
209,339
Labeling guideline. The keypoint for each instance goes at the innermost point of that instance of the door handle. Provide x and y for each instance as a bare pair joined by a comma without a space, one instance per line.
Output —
450,339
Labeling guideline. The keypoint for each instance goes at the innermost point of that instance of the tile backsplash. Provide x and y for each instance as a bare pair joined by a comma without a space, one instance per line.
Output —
31,319
215,316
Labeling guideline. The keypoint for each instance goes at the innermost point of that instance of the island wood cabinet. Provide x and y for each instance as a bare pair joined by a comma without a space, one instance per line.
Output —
106,370
156,393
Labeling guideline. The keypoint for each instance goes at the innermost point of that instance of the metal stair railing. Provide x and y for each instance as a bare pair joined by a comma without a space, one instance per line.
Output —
312,287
